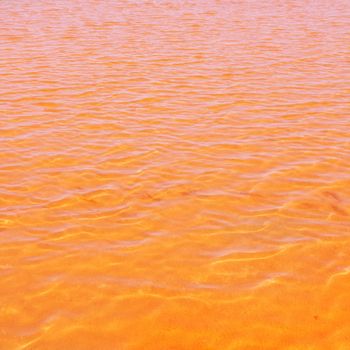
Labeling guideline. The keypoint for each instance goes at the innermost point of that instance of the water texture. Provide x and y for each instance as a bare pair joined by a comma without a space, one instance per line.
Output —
174,174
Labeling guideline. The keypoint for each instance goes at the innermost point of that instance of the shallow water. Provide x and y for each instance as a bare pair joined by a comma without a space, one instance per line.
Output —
174,174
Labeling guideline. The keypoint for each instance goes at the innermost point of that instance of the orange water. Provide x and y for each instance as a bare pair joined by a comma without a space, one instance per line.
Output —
174,174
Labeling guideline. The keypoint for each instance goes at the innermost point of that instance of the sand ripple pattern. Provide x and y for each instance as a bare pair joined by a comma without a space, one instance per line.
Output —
174,174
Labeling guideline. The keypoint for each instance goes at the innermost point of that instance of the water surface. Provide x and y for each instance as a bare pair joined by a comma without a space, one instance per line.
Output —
174,174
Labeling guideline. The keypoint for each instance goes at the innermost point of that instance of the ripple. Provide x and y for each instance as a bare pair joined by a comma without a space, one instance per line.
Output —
174,174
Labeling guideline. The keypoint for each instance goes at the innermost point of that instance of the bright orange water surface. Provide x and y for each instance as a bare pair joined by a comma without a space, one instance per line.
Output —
174,174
